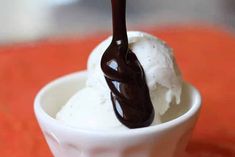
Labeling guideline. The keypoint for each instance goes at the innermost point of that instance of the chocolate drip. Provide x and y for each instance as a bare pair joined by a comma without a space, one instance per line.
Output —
125,75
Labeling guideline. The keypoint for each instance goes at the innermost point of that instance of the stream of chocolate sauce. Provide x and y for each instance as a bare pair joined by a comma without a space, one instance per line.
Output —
125,75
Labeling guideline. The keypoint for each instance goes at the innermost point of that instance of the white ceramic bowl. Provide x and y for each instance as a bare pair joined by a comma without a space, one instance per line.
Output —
168,139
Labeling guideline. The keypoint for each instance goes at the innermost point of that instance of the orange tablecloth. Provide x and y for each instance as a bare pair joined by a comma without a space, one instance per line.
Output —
206,57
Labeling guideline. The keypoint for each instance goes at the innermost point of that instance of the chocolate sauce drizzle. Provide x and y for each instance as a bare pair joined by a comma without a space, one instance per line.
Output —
125,75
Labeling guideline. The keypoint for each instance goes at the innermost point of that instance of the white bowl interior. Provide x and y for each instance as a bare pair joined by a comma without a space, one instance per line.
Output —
57,94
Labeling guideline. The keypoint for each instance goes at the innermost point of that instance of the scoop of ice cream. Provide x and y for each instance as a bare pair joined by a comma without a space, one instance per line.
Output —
161,71
88,110
91,108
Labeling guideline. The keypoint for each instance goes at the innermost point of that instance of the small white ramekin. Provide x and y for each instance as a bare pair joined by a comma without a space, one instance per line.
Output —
168,139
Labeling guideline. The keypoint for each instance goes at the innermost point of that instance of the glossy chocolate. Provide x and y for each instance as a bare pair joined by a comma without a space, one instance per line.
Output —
125,75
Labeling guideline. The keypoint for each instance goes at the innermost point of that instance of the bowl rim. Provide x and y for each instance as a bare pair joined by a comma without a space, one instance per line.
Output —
41,115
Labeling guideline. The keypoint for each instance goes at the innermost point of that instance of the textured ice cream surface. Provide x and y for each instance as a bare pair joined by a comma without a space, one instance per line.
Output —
88,110
91,108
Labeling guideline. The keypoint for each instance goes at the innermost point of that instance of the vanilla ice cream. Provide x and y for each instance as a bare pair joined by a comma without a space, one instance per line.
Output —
91,107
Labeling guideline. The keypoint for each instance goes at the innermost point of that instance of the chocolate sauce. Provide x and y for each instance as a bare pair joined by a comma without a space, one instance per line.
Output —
125,75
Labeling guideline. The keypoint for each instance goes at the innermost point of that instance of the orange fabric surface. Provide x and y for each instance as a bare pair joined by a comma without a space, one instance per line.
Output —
206,57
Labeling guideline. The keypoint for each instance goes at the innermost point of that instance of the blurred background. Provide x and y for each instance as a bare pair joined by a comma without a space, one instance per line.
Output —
26,20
